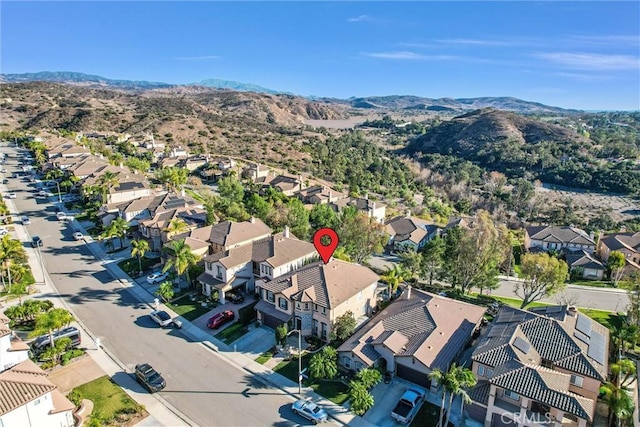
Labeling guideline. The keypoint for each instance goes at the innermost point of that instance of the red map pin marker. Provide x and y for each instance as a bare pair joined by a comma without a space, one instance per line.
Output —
326,252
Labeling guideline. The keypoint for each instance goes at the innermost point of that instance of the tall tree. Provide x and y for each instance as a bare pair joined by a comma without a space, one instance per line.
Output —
119,228
360,235
11,253
441,380
53,320
432,258
543,274
173,177
461,379
616,264
361,399
620,404
393,277
165,291
180,257
324,364
176,226
139,247
231,190
105,183
323,215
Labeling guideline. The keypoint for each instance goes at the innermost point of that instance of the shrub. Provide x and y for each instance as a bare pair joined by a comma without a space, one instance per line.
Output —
75,396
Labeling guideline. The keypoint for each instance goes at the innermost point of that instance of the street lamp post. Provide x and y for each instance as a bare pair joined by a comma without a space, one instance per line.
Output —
299,359
44,281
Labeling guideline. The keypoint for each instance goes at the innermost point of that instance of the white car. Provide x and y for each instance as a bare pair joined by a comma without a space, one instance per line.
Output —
3,170
25,220
78,235
162,318
11,196
61,216
3,231
157,277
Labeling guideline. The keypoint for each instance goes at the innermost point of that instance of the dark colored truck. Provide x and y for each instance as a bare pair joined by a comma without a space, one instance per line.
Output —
408,405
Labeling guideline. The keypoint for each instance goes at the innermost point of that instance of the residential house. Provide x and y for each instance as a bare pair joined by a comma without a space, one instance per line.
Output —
287,185
131,187
314,296
134,211
179,152
414,335
586,263
88,166
255,172
195,162
29,399
265,258
626,242
154,230
548,363
551,237
319,194
409,233
375,210
12,349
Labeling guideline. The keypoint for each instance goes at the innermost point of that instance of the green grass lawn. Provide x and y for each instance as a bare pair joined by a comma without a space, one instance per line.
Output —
515,302
232,333
335,391
188,309
427,416
289,368
592,283
109,400
264,357
131,265
606,318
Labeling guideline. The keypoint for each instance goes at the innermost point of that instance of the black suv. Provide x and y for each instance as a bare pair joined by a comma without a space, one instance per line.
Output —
235,298
36,241
149,378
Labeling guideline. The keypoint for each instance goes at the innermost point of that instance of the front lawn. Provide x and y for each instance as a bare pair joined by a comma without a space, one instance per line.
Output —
188,309
335,391
592,283
112,406
232,333
264,357
427,416
515,302
131,265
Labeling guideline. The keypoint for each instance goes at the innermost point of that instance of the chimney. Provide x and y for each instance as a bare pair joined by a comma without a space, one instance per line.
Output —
329,196
285,233
252,220
366,196
572,311
182,192
409,292
121,165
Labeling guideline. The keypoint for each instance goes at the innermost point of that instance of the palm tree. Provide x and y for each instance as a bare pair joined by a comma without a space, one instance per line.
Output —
462,378
11,252
138,249
393,277
441,378
68,182
181,258
52,320
624,336
176,226
621,405
53,174
119,227
106,182
623,372
324,364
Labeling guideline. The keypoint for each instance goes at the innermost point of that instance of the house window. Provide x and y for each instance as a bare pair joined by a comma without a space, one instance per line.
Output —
346,362
324,310
315,327
315,307
576,380
283,303
324,331
489,373
359,366
209,266
511,395
481,371
270,296
546,364
306,306
297,306
218,272
36,402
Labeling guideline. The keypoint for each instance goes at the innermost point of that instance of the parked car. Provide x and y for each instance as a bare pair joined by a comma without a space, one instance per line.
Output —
149,378
3,170
36,241
161,317
78,235
61,216
308,409
3,231
11,196
43,341
25,220
157,277
409,405
42,193
220,319
234,297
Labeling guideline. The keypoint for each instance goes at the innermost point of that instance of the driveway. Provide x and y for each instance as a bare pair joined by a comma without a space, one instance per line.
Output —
256,341
384,262
385,396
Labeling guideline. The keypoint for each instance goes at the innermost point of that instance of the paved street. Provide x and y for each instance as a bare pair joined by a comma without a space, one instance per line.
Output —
201,384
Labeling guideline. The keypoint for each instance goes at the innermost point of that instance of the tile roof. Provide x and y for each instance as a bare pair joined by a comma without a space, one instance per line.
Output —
556,234
431,328
229,233
622,241
333,283
551,337
584,260
542,385
21,384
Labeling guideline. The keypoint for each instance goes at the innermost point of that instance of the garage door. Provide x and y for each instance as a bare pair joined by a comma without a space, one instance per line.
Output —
417,377
271,321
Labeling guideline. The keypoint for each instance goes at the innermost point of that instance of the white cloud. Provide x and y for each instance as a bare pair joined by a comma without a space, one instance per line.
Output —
477,42
361,18
591,61
614,40
197,58
408,55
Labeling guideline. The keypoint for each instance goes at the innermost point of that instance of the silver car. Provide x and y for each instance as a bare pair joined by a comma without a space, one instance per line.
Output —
309,410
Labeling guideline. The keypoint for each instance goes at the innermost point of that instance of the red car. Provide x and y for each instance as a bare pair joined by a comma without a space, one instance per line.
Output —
220,319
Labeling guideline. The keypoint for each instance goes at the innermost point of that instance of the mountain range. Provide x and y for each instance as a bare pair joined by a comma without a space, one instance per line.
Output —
392,102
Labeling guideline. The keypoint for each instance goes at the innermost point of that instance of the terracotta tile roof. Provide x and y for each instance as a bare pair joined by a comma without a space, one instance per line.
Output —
4,319
60,402
22,384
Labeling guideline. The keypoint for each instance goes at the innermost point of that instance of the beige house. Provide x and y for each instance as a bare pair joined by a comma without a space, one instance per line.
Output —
627,243
266,258
314,296
375,210
546,363
255,172
414,335
545,238
319,194
12,349
409,233
155,229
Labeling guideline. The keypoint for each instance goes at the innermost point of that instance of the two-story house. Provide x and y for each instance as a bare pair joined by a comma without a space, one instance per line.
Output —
414,335
255,172
238,267
628,243
311,298
550,237
546,363
12,349
319,194
155,229
29,399
409,233
375,210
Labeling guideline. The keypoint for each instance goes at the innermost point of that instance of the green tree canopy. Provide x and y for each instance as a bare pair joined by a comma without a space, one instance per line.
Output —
543,274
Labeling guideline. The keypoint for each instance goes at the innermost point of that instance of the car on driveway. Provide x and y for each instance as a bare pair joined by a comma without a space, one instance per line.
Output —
220,319
25,220
308,409
234,297
11,196
161,317
36,241
78,235
157,277
149,378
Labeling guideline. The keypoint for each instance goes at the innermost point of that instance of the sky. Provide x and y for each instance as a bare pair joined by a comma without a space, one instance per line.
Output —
583,55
